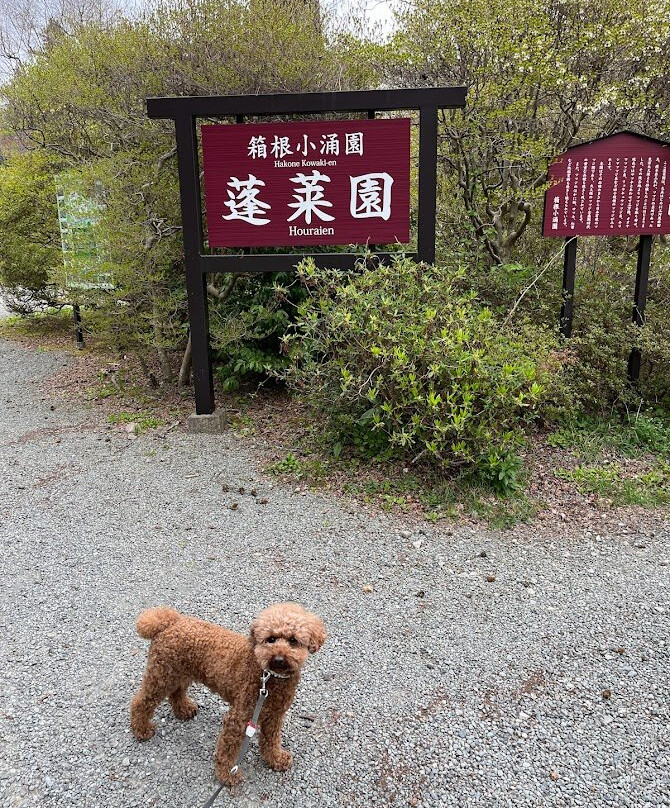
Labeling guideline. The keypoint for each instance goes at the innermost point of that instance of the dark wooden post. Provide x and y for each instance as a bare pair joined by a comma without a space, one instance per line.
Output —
196,279
427,183
76,312
640,301
569,264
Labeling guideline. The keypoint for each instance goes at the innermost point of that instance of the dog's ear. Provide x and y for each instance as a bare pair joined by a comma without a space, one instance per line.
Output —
253,633
317,634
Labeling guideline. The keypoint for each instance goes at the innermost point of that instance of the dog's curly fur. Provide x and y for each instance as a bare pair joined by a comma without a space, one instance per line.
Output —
185,650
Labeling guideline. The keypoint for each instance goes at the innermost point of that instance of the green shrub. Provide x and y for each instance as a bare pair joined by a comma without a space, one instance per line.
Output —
248,326
603,334
30,247
501,472
404,360
602,338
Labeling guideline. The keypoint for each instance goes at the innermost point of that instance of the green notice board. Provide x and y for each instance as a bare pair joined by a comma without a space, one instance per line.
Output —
78,215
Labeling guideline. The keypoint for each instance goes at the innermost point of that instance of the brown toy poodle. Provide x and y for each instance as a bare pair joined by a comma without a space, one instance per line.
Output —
185,650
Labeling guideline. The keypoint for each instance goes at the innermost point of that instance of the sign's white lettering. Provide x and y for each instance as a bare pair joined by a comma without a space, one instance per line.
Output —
329,144
245,204
354,143
258,147
309,197
371,196
280,147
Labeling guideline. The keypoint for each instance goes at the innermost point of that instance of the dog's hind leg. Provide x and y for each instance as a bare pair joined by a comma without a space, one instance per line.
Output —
151,693
182,706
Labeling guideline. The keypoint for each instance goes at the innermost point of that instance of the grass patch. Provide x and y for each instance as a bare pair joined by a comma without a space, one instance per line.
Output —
648,489
311,469
112,384
42,325
422,492
243,424
451,498
502,513
633,436
142,420
287,465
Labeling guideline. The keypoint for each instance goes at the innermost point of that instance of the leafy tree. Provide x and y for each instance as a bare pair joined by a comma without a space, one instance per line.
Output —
541,75
80,100
30,244
27,26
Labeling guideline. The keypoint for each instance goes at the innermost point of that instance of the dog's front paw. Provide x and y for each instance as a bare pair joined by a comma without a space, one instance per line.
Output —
144,731
228,779
280,761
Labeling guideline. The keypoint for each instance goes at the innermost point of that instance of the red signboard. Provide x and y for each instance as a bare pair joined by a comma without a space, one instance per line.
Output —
616,186
318,182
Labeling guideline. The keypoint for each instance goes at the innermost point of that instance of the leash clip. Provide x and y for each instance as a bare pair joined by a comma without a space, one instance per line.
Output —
264,680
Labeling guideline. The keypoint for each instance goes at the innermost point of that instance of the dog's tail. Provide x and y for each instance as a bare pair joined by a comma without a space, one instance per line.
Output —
152,621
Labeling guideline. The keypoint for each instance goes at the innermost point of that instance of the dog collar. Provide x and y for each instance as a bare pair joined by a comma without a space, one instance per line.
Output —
276,675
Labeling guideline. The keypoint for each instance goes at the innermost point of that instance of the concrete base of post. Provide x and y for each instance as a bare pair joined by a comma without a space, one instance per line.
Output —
211,423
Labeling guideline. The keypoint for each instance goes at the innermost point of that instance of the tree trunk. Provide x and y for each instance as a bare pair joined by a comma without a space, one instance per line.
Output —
163,358
220,294
185,369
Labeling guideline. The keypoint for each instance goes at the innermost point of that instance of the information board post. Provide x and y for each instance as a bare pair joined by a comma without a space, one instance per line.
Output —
569,266
196,281
79,331
640,300
263,188
427,184
617,185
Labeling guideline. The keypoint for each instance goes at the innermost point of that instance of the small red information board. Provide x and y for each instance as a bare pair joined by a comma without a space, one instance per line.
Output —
317,182
615,186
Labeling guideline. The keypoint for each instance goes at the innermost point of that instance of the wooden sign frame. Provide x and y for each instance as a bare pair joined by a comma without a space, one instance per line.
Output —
185,113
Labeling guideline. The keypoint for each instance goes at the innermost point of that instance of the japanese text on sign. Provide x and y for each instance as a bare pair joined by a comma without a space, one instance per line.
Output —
327,182
614,186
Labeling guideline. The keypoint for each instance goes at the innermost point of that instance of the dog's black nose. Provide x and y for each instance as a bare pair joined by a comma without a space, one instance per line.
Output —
278,660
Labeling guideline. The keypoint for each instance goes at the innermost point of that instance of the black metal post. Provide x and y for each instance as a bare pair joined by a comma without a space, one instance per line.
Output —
569,265
427,182
196,279
640,301
76,312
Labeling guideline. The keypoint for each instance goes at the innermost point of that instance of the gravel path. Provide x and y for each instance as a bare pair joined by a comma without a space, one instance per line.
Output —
439,688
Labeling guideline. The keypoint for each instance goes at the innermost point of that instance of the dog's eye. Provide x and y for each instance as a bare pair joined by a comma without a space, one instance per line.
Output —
293,641
270,640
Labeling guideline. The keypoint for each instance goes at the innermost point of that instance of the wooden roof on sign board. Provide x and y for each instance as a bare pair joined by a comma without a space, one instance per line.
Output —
626,133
